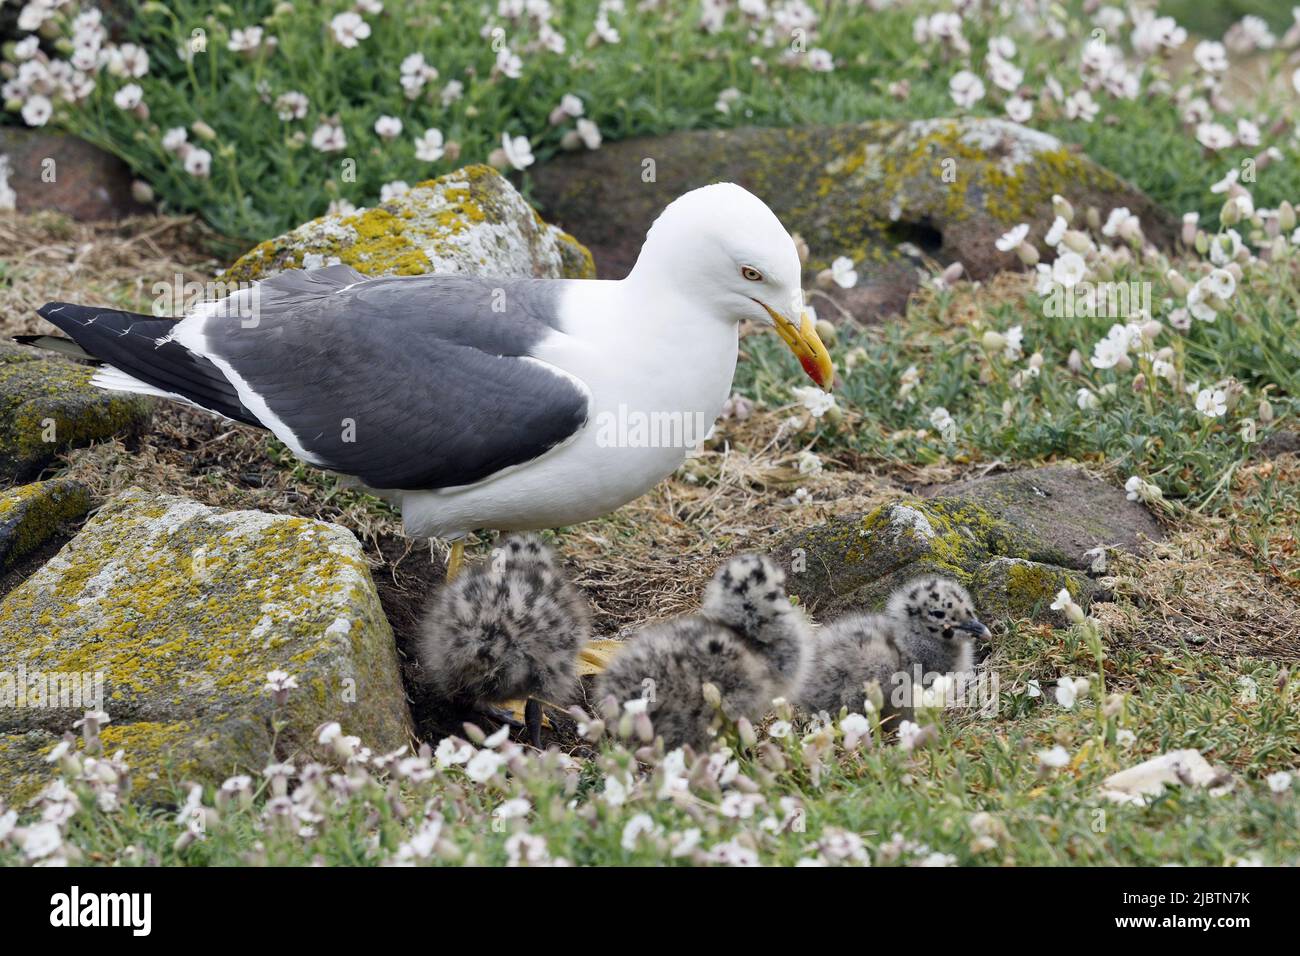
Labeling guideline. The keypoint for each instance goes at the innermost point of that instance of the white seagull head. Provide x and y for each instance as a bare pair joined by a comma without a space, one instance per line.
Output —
723,247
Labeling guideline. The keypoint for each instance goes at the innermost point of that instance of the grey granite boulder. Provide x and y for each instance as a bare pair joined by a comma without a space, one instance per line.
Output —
47,404
176,612
32,514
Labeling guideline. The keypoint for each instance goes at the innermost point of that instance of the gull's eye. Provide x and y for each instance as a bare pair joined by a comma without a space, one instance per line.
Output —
752,274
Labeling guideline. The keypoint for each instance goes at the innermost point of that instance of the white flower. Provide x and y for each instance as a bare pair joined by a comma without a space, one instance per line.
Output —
632,830
198,163
808,463
519,152
1057,757
589,133
1010,241
509,64
1065,602
1056,232
429,147
291,105
1019,109
1214,136
966,89
1003,74
942,420
128,97
1279,782
1212,403
779,729
329,138
1225,247
278,680
1080,105
37,110
392,190
1069,690
1221,284
686,842
1015,337
1211,56
615,792
843,273
449,753
1086,399
483,766
817,401
349,29
908,734
1032,689
245,40
1125,737
41,839
820,61
388,127
1197,304
571,105
1116,221
1069,269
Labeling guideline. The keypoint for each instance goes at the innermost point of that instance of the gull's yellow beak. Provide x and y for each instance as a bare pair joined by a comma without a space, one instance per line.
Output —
807,347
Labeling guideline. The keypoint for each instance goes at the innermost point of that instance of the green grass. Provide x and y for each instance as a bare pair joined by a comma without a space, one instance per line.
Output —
930,796
664,74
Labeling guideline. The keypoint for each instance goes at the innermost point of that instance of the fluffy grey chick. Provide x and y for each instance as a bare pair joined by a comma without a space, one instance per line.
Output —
747,640
509,628
928,622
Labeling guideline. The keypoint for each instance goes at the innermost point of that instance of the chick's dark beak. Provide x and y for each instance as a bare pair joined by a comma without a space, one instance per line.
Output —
977,628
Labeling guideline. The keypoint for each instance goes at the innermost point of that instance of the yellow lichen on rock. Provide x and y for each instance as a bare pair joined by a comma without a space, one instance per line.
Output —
184,609
471,221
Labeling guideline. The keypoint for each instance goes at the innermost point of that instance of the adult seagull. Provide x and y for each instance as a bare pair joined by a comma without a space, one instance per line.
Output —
474,402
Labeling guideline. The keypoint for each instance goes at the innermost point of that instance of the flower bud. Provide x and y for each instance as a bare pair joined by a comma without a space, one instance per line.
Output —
1027,254
1286,216
203,130
1265,411
1177,284
827,332
1093,218
1061,207
994,341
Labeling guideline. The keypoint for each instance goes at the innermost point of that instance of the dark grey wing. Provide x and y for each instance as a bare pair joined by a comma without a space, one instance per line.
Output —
406,382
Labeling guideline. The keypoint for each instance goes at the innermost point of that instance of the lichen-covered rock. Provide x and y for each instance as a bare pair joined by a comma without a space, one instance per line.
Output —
183,609
471,221
852,563
47,404
879,192
1064,511
1013,588
31,514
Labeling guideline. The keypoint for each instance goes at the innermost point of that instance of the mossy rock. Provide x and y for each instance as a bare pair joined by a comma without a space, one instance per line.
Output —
879,192
32,514
1062,512
47,404
471,221
183,609
852,563
1013,588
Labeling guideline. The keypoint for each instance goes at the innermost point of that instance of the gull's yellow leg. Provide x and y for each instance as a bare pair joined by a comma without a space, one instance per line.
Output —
455,558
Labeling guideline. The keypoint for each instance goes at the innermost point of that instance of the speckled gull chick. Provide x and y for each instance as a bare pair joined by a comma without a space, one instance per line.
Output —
477,402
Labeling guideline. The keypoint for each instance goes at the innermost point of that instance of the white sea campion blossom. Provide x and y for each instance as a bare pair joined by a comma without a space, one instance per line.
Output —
943,421
820,61
843,273
589,133
245,40
37,110
128,97
632,830
349,29
1065,603
1212,402
1214,136
966,89
291,105
429,147
1069,690
1279,782
198,163
329,138
388,127
518,151
1069,269
1086,399
392,190
1009,241
1019,109
816,401
1055,758
1211,56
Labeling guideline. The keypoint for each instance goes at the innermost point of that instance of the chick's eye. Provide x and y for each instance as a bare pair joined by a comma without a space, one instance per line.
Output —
752,274
936,614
